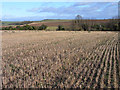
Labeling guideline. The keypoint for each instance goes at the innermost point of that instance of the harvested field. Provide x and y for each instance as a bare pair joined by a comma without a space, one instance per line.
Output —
54,23
51,23
60,59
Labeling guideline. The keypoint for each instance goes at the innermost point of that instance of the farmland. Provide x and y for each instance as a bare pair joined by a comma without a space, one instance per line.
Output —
51,22
60,59
64,24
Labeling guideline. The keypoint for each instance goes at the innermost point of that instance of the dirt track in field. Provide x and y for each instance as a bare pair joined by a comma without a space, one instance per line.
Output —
60,59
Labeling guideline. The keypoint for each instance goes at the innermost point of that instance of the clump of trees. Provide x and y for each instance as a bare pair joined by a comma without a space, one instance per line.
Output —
60,27
42,27
80,24
88,25
25,27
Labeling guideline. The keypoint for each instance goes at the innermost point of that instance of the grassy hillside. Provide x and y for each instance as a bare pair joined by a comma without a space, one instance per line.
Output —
56,20
6,23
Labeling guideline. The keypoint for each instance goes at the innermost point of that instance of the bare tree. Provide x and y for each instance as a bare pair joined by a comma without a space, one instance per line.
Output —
78,17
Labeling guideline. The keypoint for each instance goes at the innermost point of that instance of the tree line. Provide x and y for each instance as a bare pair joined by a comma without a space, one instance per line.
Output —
80,24
25,27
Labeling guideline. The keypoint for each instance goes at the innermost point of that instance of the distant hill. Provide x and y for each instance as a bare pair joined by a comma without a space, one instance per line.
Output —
6,23
51,22
55,20
65,22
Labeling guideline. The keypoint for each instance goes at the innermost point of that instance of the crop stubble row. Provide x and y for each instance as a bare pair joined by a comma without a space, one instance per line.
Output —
61,59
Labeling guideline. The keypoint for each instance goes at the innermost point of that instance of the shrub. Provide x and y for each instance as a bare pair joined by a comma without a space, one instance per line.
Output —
85,27
42,27
10,28
60,27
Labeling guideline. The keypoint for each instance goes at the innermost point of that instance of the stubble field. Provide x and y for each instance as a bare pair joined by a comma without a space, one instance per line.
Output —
52,59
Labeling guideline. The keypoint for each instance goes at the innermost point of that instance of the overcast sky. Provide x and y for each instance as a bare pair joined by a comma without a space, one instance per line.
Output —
24,11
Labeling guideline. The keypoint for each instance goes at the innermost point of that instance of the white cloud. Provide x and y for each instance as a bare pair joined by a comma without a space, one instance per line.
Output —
88,10
96,10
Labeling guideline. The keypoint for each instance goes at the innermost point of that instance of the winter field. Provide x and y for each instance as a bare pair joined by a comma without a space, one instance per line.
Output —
60,59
